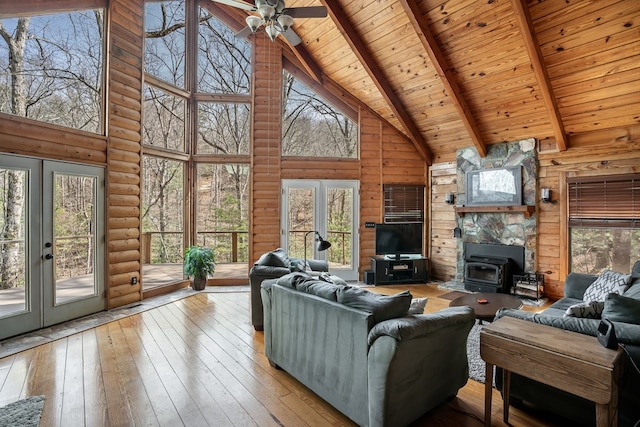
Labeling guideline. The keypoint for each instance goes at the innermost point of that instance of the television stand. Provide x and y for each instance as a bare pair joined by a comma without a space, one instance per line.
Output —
389,271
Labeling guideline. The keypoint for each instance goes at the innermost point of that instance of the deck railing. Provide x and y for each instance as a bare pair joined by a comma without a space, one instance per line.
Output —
233,246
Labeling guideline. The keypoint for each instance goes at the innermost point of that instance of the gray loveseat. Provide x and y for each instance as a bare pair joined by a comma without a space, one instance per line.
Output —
375,364
272,265
625,314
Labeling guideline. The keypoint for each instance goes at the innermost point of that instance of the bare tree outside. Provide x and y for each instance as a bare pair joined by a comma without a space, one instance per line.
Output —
312,127
50,70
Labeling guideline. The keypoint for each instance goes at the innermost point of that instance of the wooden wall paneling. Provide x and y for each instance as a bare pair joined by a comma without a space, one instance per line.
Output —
442,220
31,138
264,200
585,157
124,75
370,184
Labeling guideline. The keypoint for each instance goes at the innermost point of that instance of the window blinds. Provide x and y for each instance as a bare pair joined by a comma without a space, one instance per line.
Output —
604,201
403,203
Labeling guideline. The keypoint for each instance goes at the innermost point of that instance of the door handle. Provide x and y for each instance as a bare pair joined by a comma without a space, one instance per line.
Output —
48,256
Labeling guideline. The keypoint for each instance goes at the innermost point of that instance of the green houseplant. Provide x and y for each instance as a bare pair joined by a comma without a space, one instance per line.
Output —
199,263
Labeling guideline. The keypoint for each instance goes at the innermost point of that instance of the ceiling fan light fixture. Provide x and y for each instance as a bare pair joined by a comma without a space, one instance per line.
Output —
267,12
253,22
271,31
285,22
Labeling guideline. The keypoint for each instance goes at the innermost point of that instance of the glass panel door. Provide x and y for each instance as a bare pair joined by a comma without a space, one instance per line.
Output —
330,208
19,247
52,243
73,216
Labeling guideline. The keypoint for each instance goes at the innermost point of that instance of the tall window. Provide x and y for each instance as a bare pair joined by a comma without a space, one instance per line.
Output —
51,68
604,222
217,90
312,127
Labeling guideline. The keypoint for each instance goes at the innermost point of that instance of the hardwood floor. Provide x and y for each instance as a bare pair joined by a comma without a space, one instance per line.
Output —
195,362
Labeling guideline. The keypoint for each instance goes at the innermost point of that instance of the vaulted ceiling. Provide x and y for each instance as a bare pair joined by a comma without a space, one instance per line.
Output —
451,74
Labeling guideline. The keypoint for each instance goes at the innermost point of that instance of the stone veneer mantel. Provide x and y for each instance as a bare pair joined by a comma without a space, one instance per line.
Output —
526,210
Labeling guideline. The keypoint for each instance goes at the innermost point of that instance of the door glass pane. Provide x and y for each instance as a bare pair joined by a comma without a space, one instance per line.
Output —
300,221
13,211
74,228
339,227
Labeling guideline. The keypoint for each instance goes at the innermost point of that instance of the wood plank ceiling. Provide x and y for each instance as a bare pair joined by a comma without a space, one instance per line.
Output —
451,74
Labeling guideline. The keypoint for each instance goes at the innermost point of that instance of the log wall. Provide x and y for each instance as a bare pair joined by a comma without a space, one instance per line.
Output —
124,123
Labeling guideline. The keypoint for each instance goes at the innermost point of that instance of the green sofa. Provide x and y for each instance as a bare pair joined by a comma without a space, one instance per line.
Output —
361,352
624,311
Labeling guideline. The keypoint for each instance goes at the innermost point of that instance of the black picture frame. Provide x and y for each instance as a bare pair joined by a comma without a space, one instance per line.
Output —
494,187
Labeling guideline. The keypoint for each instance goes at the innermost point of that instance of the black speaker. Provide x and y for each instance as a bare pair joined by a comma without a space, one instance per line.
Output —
369,277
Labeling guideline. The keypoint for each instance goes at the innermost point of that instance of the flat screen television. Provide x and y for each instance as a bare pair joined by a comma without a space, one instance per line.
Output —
399,240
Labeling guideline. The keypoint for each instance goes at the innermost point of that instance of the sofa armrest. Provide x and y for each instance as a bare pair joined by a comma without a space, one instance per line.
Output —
576,283
314,264
415,363
411,327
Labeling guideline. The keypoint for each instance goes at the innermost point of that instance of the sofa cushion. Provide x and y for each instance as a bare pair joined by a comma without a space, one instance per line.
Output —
382,307
275,258
619,308
633,291
590,310
417,305
608,282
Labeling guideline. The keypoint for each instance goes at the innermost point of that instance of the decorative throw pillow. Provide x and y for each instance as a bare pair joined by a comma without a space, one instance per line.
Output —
608,282
417,305
590,310
381,306
619,308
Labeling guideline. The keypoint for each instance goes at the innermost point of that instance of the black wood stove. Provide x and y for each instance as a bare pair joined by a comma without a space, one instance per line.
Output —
490,268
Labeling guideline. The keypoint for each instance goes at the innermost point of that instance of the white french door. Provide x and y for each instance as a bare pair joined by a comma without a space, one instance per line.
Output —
330,208
52,243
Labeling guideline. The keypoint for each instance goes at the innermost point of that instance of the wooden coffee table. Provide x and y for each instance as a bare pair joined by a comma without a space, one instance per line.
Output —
487,311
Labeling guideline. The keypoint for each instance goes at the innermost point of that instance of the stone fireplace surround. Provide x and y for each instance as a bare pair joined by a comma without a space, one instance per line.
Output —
498,227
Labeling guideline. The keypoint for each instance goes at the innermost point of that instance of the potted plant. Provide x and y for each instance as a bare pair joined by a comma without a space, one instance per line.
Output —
199,263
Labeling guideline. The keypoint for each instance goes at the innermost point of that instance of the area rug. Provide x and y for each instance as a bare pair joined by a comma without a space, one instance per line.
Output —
477,367
22,413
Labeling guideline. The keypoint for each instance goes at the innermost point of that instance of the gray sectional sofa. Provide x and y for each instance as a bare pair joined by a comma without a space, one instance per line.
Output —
624,312
361,352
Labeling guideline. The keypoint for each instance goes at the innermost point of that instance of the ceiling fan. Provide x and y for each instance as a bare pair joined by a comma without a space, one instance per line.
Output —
275,16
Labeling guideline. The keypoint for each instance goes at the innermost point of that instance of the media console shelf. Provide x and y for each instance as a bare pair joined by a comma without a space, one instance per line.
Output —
526,210
390,271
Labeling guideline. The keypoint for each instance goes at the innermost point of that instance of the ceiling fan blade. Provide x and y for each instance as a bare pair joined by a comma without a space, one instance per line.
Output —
307,12
243,33
292,37
239,4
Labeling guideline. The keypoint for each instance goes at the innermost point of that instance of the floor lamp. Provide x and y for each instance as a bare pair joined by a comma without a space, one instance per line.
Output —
323,245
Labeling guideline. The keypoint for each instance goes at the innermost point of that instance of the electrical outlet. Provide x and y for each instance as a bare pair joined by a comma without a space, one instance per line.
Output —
134,280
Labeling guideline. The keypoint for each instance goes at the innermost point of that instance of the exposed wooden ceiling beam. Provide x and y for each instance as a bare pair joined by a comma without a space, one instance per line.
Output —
447,77
540,70
307,62
363,54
